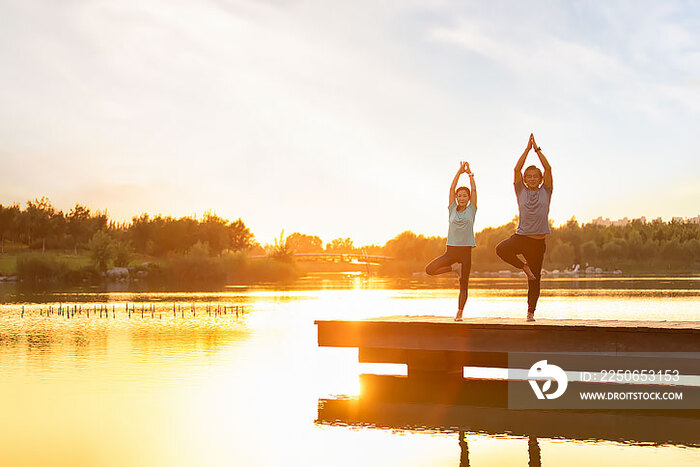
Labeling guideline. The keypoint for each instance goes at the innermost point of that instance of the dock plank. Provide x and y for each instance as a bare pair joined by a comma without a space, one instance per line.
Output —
546,323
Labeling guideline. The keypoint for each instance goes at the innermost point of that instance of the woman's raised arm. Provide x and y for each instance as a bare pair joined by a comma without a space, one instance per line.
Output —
473,188
455,180
518,175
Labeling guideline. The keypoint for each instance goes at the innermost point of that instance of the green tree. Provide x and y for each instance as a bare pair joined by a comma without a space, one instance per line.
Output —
589,252
122,253
141,232
301,243
408,246
561,253
240,237
215,231
8,222
199,250
102,250
340,245
280,251
78,224
41,217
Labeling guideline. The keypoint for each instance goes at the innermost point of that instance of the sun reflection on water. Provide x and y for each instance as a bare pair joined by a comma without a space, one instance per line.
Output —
222,390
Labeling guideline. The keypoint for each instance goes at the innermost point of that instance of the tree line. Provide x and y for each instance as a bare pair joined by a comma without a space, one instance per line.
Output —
40,226
635,247
656,245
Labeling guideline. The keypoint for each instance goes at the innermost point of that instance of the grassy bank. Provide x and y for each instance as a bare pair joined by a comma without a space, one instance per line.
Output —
198,269
9,262
182,271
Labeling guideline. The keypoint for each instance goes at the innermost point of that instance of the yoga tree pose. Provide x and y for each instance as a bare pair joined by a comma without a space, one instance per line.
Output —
460,236
533,191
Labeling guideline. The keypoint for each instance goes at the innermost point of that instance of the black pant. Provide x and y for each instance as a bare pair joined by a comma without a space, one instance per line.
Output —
443,264
533,250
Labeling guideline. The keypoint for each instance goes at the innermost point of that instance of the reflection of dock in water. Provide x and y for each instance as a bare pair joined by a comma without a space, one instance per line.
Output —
375,407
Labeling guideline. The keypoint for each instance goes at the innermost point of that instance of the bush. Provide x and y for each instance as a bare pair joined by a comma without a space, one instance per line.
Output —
122,254
199,250
270,270
194,270
242,269
102,250
85,275
281,251
236,265
36,269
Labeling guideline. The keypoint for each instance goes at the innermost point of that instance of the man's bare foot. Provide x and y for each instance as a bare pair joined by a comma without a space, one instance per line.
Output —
530,316
528,272
459,316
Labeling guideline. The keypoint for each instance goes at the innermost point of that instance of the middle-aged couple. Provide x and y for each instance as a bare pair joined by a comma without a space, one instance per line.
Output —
533,191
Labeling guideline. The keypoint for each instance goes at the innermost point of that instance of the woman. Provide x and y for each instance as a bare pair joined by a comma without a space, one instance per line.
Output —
460,236
533,191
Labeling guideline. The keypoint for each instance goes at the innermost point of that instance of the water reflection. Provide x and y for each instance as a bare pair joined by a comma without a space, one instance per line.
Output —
392,403
204,390
533,451
397,403
656,285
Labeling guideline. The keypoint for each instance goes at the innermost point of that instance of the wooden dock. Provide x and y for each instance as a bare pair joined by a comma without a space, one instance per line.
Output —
432,345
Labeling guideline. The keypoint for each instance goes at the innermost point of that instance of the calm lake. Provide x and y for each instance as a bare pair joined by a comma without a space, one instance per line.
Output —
215,389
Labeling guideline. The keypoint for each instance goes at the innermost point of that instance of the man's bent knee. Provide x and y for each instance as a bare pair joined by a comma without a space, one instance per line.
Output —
500,250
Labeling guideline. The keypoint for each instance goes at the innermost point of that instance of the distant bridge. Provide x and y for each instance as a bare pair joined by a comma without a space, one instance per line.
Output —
340,257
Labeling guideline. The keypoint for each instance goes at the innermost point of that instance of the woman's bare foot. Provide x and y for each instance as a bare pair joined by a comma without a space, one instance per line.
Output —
459,316
530,316
457,269
528,272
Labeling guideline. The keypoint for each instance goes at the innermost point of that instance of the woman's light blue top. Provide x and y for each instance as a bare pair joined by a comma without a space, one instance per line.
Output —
461,231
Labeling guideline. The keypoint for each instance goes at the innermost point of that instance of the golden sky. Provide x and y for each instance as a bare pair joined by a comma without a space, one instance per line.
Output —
348,118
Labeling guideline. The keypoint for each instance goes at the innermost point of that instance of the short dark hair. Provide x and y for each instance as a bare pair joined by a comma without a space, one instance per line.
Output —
469,193
533,167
